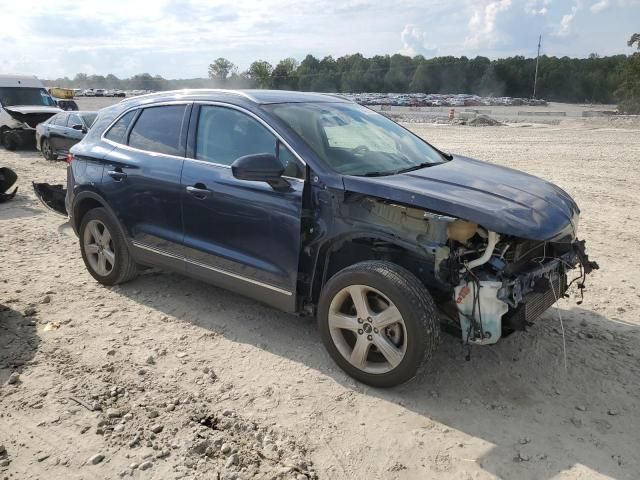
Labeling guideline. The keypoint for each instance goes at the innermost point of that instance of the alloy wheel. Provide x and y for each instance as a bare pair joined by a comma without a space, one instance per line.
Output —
98,247
367,329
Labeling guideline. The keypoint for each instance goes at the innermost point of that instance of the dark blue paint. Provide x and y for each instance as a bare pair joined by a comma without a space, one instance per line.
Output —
254,231
500,199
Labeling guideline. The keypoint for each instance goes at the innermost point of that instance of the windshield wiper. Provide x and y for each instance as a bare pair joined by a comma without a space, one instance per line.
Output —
379,174
415,167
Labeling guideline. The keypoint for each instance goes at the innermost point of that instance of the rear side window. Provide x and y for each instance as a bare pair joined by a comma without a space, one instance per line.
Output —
74,120
158,129
60,120
119,129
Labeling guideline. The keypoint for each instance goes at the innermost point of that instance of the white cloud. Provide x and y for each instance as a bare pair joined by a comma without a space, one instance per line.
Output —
482,24
414,41
537,7
564,29
598,6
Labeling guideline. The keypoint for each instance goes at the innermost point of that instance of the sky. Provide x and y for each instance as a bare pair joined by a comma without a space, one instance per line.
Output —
179,38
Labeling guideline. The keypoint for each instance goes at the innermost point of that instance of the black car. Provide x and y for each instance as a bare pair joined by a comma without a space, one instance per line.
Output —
319,206
61,132
66,104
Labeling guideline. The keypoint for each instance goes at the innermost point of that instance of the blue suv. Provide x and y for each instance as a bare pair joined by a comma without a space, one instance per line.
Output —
316,205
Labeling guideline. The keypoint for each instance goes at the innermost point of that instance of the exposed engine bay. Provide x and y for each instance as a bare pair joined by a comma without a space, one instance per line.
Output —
503,282
493,283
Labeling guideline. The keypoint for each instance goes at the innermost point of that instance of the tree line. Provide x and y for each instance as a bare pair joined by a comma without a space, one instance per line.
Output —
594,79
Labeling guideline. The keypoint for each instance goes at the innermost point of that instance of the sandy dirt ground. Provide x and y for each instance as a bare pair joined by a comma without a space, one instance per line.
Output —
166,377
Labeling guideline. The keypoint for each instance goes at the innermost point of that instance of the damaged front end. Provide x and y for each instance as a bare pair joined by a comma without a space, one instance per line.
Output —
503,283
19,129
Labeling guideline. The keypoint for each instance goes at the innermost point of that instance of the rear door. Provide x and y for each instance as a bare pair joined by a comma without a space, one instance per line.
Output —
141,180
239,234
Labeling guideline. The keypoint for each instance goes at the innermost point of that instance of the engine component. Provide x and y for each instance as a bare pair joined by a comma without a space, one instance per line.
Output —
480,311
493,239
461,230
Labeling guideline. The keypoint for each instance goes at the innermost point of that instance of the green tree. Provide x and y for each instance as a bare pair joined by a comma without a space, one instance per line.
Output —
284,76
260,73
221,69
628,92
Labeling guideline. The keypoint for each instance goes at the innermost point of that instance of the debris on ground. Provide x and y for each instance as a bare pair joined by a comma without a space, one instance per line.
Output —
484,121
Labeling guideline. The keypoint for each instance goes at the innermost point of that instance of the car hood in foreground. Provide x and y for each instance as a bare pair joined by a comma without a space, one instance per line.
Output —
500,199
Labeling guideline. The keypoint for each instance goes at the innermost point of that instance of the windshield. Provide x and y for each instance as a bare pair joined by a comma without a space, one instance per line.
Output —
25,96
355,140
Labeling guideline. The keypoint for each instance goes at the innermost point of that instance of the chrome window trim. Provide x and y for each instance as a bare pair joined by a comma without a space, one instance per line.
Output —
139,107
200,102
214,269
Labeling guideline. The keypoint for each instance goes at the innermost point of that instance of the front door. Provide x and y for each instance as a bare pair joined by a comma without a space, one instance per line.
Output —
56,132
239,234
141,180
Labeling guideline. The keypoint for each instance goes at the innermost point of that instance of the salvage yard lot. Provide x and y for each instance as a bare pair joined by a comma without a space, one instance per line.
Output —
180,368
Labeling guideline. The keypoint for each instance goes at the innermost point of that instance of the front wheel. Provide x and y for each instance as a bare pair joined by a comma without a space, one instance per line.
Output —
378,322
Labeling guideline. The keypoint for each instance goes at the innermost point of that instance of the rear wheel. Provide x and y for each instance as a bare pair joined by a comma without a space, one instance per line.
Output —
104,249
378,322
47,150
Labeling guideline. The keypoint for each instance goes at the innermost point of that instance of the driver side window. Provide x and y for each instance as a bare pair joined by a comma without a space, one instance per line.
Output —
224,134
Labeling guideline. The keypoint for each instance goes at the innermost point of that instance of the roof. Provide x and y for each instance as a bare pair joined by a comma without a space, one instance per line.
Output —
253,96
29,81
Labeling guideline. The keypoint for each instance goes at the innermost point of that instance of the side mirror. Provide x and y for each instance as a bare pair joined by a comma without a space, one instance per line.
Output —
77,126
260,167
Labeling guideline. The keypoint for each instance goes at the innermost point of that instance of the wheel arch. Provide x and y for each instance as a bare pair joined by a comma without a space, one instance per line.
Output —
86,201
345,250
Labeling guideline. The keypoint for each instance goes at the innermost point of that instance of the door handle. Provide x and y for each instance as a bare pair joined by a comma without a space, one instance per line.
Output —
199,191
117,174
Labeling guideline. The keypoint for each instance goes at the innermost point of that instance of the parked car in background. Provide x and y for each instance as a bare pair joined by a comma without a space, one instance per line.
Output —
62,131
319,206
66,104
24,103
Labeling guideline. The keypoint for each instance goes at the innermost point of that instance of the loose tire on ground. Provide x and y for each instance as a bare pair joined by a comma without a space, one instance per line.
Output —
122,268
383,285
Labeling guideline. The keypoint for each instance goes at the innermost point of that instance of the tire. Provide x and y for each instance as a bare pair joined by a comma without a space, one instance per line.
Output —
9,140
415,337
118,265
47,150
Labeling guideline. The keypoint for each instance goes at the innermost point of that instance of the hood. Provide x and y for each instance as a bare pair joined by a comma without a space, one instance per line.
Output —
500,199
32,115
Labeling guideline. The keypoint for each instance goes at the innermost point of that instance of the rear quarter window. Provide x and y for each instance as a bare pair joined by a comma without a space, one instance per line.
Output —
119,129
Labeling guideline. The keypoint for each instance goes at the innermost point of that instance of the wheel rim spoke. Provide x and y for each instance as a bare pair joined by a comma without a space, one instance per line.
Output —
95,232
360,352
91,249
106,238
392,353
109,256
344,322
102,264
387,317
359,297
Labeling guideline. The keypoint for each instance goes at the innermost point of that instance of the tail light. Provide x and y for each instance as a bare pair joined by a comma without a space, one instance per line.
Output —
69,158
